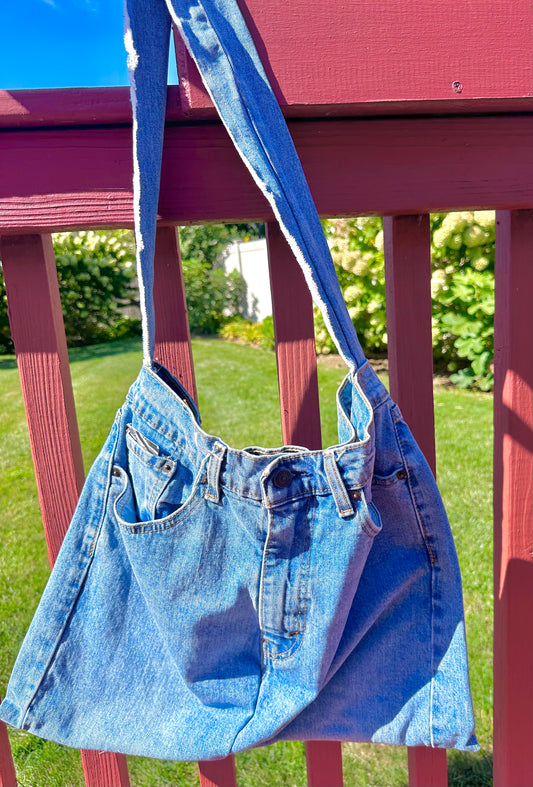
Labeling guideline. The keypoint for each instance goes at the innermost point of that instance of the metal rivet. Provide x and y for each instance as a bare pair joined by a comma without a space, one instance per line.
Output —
355,494
167,467
457,86
401,474
282,478
115,472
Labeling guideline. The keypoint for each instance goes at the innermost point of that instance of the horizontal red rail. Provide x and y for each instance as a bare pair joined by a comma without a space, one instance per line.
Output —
75,178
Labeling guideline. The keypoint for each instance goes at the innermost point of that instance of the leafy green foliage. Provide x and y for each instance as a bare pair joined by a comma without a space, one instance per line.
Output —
462,287
256,334
96,272
6,343
207,242
213,296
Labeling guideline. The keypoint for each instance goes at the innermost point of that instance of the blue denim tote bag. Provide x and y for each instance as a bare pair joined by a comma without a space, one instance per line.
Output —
208,599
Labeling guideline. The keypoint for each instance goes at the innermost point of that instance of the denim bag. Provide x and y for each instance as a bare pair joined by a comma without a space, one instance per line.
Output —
207,599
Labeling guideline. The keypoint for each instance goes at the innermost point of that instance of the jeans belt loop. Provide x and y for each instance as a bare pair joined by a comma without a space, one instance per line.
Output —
338,489
214,466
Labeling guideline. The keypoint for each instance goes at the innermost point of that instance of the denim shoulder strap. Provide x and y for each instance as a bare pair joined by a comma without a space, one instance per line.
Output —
216,36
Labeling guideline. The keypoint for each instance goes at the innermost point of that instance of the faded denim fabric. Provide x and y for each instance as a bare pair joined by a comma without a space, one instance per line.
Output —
207,599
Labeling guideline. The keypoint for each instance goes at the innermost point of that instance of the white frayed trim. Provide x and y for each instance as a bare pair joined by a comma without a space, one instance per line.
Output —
133,57
295,248
133,62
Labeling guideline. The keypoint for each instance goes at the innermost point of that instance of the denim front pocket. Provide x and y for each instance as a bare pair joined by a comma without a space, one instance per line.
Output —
128,512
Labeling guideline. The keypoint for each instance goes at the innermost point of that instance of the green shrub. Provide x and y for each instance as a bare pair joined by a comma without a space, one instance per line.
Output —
214,297
96,272
462,286
256,334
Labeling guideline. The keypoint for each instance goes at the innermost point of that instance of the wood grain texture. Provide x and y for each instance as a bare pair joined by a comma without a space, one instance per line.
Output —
408,296
8,777
513,500
39,336
295,344
300,415
386,52
218,773
172,338
37,328
77,178
102,768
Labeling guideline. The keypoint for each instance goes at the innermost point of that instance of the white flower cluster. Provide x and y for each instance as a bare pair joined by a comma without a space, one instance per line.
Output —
469,228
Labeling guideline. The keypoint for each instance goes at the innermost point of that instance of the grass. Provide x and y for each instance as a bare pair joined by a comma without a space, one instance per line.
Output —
238,400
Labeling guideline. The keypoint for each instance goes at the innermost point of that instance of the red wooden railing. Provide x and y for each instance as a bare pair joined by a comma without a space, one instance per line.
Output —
65,163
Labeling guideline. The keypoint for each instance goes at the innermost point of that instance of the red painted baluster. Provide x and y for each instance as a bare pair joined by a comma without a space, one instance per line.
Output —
103,768
295,344
324,764
39,336
513,500
408,290
300,417
218,773
8,777
173,350
172,339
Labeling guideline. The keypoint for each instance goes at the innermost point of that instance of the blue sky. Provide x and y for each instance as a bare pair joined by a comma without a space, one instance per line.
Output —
62,43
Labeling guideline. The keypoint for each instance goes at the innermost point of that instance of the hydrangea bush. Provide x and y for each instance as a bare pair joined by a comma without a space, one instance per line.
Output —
96,272
462,288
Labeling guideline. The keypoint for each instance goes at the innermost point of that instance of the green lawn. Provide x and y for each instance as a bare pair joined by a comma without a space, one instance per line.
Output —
238,400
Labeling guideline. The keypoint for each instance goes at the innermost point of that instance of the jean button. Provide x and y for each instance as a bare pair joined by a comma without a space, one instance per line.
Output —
282,478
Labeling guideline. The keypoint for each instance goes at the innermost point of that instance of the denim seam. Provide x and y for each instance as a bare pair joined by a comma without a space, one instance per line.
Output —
285,654
341,448
432,556
388,480
302,601
83,577
370,529
432,562
302,590
170,436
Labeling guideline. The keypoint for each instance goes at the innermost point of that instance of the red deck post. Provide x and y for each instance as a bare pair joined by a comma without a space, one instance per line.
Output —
172,336
300,417
295,344
513,500
173,350
39,335
218,773
408,291
8,777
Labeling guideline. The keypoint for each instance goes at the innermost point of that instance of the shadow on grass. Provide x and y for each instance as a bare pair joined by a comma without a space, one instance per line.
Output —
75,354
104,349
